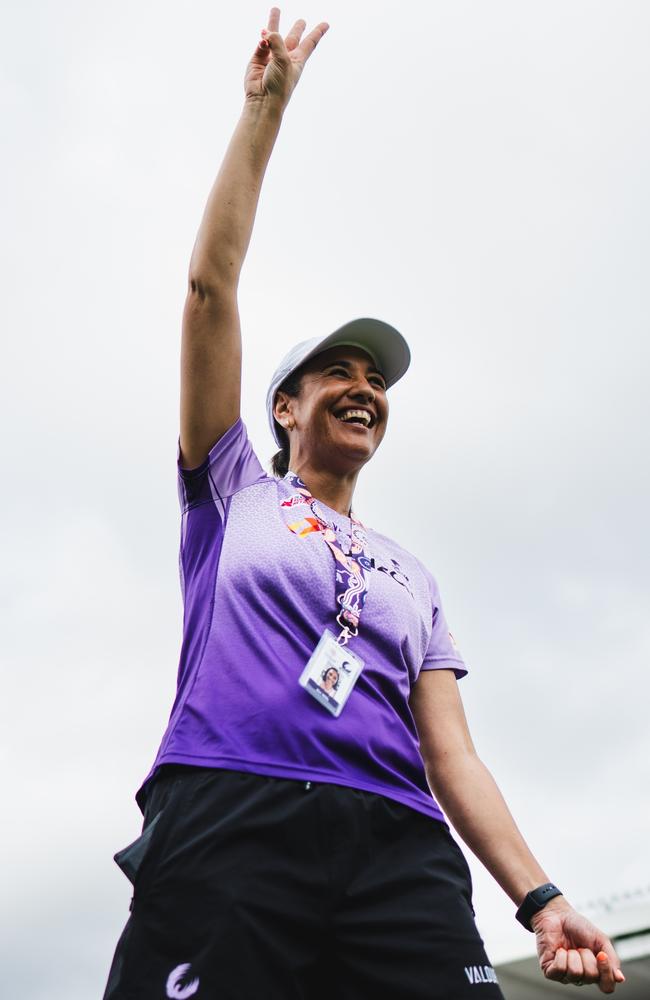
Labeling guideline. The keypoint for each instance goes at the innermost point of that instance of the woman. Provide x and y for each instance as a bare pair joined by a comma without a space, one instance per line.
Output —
330,679
292,846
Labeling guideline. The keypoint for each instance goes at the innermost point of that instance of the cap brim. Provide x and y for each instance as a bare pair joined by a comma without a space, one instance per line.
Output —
382,341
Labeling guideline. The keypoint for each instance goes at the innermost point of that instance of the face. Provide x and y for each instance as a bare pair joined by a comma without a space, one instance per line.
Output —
339,418
331,677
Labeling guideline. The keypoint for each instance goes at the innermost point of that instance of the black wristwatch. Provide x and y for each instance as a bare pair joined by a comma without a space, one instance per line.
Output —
535,901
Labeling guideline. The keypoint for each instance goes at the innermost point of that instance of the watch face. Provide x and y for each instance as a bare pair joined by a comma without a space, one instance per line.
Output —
542,894
535,901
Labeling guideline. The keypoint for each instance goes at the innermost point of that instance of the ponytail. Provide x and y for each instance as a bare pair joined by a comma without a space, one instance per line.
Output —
280,462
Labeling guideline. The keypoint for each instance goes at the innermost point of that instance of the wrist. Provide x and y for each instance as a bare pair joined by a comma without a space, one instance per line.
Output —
536,901
557,903
265,106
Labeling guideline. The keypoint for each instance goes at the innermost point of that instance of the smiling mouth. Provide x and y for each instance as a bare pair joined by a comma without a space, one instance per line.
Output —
356,418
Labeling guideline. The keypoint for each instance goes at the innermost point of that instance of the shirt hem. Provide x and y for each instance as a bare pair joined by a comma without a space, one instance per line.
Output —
429,809
445,663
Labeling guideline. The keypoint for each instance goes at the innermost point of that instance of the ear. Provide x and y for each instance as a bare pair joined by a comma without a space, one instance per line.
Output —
282,410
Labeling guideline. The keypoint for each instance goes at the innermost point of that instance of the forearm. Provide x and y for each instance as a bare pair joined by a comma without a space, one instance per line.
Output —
227,224
570,948
471,799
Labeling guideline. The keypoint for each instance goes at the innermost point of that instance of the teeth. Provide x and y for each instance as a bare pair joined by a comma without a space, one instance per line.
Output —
360,414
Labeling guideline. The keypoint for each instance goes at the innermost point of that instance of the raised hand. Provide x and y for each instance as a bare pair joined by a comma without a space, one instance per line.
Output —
572,950
277,63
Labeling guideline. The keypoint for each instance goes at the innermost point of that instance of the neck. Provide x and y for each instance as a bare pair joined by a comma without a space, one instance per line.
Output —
335,490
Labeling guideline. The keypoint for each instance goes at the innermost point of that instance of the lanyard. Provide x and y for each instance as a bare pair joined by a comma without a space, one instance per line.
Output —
351,566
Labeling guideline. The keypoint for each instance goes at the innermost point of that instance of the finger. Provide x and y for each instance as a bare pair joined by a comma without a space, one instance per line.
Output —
590,965
557,969
294,36
574,967
277,47
311,40
262,53
606,982
274,19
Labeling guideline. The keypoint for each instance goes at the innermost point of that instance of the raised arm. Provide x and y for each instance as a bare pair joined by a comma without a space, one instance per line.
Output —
211,344
570,948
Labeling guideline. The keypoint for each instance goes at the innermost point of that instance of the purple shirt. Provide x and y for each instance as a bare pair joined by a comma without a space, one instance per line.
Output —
258,587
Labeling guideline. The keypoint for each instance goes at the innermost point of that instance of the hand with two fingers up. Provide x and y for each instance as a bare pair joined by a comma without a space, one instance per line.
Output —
277,63
572,950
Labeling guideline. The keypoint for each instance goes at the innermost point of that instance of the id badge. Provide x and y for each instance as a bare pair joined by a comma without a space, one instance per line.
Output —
331,673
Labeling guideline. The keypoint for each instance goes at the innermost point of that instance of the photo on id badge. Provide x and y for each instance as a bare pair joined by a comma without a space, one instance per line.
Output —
331,673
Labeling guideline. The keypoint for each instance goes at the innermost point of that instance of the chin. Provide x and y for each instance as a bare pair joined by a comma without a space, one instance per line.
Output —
346,459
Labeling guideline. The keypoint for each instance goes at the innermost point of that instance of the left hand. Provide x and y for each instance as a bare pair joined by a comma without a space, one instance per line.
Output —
572,950
277,63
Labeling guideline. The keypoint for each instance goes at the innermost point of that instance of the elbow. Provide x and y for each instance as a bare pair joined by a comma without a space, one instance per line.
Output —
213,280
203,288
199,289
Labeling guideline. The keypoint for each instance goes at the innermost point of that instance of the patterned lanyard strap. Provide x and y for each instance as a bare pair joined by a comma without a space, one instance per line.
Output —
352,566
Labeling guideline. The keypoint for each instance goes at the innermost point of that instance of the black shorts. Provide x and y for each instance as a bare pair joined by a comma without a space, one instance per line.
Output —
249,887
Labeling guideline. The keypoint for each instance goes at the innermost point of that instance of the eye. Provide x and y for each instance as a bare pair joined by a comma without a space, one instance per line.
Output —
377,380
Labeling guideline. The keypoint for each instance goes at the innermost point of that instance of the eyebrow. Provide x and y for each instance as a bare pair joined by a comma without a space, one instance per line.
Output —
346,364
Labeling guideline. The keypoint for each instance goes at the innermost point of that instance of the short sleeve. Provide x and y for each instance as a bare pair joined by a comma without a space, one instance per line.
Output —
442,651
231,466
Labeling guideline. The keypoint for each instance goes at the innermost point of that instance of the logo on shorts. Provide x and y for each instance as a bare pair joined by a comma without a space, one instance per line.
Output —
180,985
480,974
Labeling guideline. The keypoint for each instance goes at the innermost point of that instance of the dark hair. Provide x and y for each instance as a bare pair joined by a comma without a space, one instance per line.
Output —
338,676
280,461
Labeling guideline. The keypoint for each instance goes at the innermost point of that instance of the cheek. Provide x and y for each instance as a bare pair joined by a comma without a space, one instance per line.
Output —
321,414
308,416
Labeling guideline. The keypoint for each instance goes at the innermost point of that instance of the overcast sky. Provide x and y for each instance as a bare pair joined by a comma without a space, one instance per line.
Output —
475,173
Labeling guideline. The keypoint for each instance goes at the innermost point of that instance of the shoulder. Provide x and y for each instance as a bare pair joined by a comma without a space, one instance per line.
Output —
231,465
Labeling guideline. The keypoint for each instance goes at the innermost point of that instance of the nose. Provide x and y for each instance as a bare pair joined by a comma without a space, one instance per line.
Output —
363,390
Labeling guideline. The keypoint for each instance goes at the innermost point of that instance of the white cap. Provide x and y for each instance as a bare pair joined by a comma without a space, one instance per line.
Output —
383,342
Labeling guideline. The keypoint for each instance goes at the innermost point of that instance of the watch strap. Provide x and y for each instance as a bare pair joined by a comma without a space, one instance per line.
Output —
535,901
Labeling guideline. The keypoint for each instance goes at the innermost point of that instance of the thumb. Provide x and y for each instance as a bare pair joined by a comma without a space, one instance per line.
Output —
608,960
277,46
